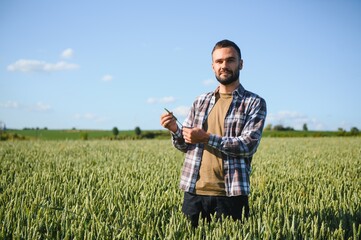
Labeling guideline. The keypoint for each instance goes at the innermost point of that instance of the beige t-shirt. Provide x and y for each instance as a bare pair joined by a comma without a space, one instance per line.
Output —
211,177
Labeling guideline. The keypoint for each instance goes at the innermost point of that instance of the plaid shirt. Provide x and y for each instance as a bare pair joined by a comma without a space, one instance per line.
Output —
243,127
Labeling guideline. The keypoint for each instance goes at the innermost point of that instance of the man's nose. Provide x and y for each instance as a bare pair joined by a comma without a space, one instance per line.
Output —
224,65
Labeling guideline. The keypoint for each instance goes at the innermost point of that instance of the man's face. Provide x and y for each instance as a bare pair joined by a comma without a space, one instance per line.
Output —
226,65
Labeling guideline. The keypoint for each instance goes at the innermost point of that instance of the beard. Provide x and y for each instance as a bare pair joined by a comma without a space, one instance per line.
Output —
228,80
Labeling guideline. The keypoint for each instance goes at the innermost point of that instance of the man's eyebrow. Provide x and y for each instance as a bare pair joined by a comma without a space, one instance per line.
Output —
224,59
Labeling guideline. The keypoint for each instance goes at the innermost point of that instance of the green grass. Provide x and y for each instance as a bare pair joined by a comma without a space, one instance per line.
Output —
302,188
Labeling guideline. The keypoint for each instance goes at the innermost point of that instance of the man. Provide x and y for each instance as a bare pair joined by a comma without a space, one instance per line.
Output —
219,136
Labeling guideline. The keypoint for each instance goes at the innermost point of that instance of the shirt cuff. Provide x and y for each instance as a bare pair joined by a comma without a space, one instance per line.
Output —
214,141
177,134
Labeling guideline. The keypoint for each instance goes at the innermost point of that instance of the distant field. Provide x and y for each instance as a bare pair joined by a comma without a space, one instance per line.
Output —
43,134
61,134
302,188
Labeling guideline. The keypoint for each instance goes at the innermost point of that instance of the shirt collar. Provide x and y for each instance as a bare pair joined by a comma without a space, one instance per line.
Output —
237,92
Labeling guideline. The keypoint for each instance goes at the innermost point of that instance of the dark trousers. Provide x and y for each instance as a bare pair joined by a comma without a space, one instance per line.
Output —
206,206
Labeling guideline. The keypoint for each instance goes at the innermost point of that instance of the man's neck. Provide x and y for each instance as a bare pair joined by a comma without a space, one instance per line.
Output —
228,88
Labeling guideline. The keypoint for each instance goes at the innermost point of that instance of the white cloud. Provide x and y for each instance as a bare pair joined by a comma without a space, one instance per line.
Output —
209,82
284,115
67,53
60,66
295,120
181,111
27,65
37,107
40,107
151,100
10,105
169,99
163,100
107,78
89,117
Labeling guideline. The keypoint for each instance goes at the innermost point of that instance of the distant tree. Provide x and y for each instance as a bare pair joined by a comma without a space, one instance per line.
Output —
354,131
137,131
2,127
149,135
304,127
268,127
341,132
115,132
280,127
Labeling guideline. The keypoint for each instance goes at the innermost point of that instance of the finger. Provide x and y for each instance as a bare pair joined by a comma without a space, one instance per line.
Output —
166,123
163,115
162,120
187,137
166,117
186,130
187,140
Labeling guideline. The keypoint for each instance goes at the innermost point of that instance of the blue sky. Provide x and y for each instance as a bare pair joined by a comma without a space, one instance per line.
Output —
104,64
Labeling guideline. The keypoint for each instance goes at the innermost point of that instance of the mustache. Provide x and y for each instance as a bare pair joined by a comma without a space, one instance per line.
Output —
225,71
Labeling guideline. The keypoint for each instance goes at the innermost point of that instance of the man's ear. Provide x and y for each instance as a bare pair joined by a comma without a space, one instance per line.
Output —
240,64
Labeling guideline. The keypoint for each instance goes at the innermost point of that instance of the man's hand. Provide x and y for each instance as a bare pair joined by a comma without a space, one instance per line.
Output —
168,121
195,135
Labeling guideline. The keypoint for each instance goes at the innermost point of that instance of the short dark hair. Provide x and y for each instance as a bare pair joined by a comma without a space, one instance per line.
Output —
227,43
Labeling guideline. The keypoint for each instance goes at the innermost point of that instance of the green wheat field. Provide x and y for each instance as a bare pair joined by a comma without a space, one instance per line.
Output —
302,188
